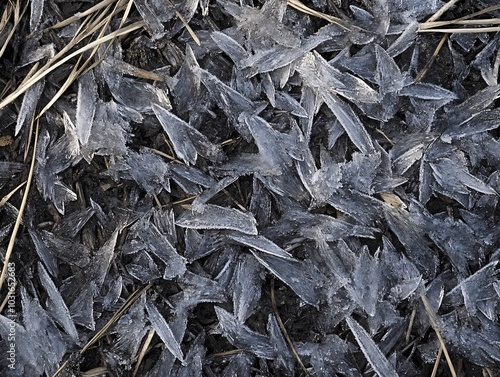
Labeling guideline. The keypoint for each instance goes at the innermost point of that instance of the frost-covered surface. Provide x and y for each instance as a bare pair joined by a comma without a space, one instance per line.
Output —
283,148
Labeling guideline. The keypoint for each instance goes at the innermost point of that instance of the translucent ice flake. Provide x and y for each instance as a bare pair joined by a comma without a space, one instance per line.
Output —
29,104
164,331
302,277
149,171
85,106
242,337
373,354
215,217
246,287
260,243
139,96
186,140
56,306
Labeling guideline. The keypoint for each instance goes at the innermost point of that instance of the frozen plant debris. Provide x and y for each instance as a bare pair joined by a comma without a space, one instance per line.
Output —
249,187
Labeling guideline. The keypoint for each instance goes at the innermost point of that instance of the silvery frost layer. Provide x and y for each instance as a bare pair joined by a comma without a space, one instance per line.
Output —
284,156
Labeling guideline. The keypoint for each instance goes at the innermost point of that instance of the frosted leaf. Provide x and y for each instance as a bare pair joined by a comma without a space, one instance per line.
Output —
329,357
285,101
479,293
85,106
458,241
472,106
373,354
28,106
326,80
36,14
257,23
283,357
404,41
194,360
260,203
387,76
260,243
480,345
350,122
361,207
229,100
71,224
240,336
428,92
109,133
80,289
239,365
56,306
456,178
408,151
275,148
143,268
139,96
211,192
231,47
216,217
158,244
164,331
149,171
246,287
65,249
302,277
365,281
412,235
485,121
195,290
186,84
44,252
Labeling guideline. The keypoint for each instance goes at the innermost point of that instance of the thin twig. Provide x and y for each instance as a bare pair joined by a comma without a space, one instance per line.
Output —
432,318
283,329
436,364
143,351
423,72
17,224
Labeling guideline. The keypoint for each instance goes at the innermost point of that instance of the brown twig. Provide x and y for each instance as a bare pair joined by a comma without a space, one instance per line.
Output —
283,330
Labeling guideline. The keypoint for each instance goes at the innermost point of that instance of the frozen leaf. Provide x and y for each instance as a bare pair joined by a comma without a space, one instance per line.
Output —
37,7
375,357
240,336
260,243
329,357
194,360
149,171
229,100
85,106
485,121
45,254
211,192
216,217
80,289
231,47
186,84
246,287
56,306
350,122
72,223
139,96
303,277
67,250
283,356
388,75
428,91
28,106
239,365
365,281
164,331
412,235
456,178
405,40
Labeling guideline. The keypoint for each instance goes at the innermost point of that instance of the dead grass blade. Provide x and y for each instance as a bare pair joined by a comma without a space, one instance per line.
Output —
37,77
283,330
186,25
22,207
436,364
78,16
116,316
492,29
424,71
296,4
444,8
18,13
143,351
432,318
